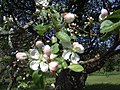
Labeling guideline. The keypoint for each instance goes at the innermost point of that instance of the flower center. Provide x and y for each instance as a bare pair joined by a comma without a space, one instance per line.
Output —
74,49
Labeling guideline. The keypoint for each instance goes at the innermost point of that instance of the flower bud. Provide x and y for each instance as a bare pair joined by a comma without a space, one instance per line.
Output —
69,17
4,18
21,56
53,66
104,13
47,50
39,44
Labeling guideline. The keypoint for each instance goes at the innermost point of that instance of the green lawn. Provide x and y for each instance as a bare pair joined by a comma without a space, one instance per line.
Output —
95,81
103,82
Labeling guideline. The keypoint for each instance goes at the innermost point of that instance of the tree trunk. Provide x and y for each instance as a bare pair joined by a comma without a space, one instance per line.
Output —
69,80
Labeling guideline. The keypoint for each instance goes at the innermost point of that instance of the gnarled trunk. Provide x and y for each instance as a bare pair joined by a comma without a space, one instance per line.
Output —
69,80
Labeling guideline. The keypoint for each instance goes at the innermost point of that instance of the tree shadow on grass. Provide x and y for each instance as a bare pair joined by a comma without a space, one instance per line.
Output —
103,87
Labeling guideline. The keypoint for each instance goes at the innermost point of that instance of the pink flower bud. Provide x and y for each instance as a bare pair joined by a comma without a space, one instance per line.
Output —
104,12
47,50
39,44
69,17
53,66
21,56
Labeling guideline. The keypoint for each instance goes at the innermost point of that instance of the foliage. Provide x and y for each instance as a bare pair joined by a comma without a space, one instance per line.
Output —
51,41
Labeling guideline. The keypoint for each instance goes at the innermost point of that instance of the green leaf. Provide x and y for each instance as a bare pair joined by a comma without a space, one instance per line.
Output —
43,12
55,48
38,79
76,67
115,16
64,65
105,37
23,85
107,26
66,45
41,28
61,35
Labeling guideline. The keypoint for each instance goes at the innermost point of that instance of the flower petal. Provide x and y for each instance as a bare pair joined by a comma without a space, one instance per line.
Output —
79,48
66,54
52,56
43,66
34,65
34,54
74,58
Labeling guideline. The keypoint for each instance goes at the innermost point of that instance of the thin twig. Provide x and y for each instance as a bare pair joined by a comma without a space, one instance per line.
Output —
12,80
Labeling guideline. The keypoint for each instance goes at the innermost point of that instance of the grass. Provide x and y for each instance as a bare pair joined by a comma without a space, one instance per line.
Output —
97,81
103,87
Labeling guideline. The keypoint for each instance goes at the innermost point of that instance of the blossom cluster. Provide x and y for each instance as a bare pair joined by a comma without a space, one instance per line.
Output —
40,58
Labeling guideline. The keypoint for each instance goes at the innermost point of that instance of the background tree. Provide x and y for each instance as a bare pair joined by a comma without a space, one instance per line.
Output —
17,33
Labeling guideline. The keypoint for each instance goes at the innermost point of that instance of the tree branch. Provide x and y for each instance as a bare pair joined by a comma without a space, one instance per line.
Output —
95,59
100,59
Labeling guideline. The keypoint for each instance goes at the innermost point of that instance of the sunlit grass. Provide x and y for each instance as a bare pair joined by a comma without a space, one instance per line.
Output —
111,81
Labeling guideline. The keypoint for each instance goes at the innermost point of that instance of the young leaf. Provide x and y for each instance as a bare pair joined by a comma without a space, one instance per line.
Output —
61,35
23,85
76,67
41,28
64,65
55,48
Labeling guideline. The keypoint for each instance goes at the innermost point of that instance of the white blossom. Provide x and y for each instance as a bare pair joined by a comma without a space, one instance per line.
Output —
34,54
72,55
74,58
78,47
66,54
43,66
44,3
34,65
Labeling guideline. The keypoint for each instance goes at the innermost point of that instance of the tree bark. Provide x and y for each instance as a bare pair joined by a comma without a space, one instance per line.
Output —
69,80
